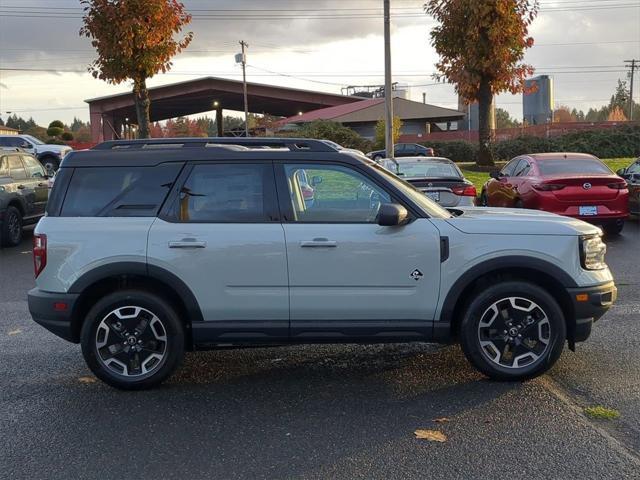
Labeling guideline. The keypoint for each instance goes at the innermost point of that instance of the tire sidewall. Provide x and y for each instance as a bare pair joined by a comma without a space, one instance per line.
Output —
151,302
483,300
5,237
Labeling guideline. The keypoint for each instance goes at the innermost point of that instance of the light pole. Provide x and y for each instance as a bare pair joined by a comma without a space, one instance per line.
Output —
388,94
242,58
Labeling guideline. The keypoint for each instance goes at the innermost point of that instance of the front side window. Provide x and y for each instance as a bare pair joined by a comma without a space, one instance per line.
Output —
16,168
510,167
333,194
118,191
34,168
227,193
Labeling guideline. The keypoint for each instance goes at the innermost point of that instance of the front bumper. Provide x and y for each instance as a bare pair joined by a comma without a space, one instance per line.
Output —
589,304
54,311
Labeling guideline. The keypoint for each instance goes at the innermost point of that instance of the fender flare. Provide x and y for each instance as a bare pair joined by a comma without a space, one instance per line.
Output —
143,270
511,261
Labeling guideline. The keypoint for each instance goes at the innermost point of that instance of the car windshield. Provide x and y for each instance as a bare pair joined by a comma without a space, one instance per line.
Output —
33,140
581,166
432,208
428,169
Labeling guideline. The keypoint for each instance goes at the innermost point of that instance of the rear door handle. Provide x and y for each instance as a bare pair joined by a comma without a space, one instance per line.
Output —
319,243
187,244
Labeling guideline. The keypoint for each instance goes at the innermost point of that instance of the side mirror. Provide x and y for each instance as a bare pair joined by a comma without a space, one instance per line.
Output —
392,214
317,180
495,174
25,145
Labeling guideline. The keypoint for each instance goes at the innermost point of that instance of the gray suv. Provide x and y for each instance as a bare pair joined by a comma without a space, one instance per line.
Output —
24,190
153,247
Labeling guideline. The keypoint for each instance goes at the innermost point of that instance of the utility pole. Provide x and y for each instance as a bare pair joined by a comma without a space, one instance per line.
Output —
244,46
633,65
388,94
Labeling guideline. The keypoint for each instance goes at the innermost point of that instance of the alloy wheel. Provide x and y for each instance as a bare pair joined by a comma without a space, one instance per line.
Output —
14,228
131,341
514,332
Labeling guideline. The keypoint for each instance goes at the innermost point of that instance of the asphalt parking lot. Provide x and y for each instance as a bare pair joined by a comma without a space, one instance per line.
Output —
320,411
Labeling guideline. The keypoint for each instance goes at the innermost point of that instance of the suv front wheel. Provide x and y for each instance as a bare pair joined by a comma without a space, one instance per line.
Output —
513,330
132,340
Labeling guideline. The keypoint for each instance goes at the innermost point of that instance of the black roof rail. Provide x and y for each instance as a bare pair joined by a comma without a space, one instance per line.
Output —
293,144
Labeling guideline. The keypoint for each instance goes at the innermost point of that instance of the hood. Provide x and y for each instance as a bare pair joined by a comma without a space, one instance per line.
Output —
50,147
518,221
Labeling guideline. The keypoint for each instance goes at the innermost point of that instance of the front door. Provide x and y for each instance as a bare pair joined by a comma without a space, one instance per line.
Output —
223,239
38,182
348,276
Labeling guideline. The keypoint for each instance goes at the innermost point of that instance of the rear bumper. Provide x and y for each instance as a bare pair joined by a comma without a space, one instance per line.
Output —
589,304
46,310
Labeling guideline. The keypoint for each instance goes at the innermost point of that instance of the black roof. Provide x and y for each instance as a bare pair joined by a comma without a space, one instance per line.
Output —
150,152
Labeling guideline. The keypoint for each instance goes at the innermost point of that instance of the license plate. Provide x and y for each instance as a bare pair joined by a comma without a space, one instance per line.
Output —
435,196
587,211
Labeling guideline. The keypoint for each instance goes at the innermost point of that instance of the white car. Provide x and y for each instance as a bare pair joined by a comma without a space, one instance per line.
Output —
49,155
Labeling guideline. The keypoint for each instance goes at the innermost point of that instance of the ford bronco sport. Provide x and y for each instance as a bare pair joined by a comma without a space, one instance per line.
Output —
153,247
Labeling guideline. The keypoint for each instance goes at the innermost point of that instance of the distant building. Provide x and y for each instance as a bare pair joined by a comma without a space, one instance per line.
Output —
537,107
471,120
8,130
418,119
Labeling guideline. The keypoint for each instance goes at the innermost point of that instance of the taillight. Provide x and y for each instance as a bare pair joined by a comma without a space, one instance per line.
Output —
465,191
39,253
618,185
548,187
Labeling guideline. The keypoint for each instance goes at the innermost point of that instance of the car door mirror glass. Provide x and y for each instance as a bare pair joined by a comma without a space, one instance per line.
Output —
392,214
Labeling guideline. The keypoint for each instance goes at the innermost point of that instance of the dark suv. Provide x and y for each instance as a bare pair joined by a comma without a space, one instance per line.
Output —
24,191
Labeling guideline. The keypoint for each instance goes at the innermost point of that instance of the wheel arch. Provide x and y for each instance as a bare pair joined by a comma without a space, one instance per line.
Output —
542,273
96,283
18,203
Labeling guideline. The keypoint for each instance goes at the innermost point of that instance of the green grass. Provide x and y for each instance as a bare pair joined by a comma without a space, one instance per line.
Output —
602,413
479,178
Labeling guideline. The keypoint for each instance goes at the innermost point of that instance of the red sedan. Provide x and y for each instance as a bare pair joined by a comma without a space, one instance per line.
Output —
572,184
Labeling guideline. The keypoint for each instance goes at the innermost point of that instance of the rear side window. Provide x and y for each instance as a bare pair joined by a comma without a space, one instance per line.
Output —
16,168
225,193
118,191
572,166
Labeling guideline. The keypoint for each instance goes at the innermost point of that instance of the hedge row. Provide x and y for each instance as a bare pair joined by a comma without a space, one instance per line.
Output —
611,143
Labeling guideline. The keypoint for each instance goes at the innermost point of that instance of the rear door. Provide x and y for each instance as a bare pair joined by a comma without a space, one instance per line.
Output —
222,237
348,276
22,184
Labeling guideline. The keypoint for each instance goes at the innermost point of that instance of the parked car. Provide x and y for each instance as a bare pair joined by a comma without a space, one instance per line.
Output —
48,154
572,184
24,191
437,177
146,252
337,146
403,150
632,175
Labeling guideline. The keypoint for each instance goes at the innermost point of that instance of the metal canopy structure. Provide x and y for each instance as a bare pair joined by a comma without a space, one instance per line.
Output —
109,114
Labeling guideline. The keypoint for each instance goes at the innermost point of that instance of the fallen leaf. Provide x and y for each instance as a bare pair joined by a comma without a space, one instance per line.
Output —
442,420
431,435
15,332
87,379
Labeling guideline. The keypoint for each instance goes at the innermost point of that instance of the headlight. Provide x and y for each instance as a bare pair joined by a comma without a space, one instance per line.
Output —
592,251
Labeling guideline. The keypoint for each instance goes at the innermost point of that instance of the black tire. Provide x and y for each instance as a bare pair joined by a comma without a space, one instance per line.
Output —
11,228
50,163
171,349
484,201
480,311
613,228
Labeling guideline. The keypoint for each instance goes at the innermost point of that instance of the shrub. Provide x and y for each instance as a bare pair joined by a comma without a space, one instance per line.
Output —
457,150
67,136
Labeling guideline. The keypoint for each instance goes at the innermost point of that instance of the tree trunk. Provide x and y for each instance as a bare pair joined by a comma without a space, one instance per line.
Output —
485,127
142,102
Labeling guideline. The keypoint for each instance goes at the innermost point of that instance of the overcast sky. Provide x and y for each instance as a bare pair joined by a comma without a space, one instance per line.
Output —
312,44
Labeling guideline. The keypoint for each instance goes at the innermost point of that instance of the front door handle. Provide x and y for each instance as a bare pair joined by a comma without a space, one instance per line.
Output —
319,243
187,244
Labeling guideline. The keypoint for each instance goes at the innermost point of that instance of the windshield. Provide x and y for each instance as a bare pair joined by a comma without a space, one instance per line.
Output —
573,166
33,140
428,169
428,205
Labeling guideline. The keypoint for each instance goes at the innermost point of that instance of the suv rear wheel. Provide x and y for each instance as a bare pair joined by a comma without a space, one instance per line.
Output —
132,340
513,331
11,228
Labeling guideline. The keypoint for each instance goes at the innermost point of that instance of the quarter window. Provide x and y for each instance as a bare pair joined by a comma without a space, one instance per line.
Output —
509,169
333,194
226,193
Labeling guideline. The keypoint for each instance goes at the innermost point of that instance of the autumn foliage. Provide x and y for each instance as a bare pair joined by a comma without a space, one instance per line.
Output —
481,44
134,40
